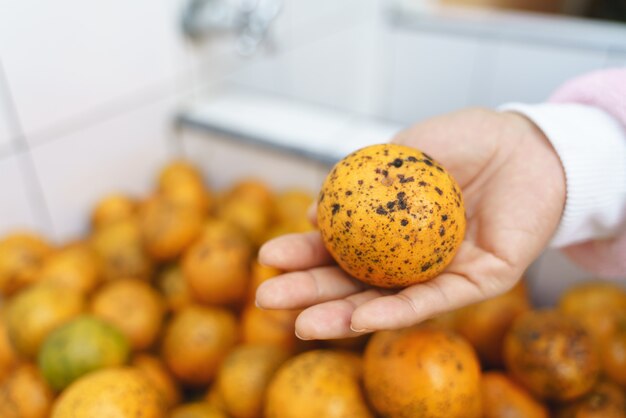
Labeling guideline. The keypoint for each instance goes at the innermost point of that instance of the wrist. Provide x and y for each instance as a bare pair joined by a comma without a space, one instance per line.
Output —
591,147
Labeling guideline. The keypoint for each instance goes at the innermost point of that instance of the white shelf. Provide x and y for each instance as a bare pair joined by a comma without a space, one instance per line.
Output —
293,126
516,26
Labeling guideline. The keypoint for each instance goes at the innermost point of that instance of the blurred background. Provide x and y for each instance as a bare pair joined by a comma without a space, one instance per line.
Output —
96,96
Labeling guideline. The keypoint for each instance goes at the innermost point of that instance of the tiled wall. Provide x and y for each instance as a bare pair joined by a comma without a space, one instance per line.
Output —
88,94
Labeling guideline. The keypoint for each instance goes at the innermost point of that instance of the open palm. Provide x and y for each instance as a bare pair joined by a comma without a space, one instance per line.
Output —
514,191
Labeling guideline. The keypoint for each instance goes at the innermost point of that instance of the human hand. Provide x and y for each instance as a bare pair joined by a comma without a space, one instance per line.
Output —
514,191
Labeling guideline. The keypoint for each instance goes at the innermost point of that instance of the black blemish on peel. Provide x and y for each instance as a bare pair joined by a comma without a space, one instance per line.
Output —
412,159
444,218
428,163
336,208
404,222
426,267
439,191
349,193
396,163
381,211
401,201
407,180
442,231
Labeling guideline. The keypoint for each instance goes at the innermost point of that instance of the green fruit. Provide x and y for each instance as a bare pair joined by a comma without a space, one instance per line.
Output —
79,347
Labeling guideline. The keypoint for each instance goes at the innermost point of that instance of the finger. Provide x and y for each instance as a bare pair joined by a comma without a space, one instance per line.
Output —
311,213
419,302
301,289
295,252
331,320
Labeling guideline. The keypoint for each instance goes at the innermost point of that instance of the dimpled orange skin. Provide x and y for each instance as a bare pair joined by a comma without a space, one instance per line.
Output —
117,393
315,384
551,355
25,394
391,216
154,370
195,342
422,372
503,398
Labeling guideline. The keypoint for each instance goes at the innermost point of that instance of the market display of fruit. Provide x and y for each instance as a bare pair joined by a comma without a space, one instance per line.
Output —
151,314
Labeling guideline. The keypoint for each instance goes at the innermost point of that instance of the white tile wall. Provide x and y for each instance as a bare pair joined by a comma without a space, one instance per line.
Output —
15,209
305,21
120,154
326,71
530,72
431,74
266,73
67,58
7,133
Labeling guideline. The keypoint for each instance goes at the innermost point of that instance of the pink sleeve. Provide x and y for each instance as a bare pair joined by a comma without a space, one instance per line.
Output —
606,90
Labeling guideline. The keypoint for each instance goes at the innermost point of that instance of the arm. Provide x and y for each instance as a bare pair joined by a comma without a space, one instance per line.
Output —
586,123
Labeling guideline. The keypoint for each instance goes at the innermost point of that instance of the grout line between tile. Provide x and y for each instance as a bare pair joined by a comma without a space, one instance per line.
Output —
26,163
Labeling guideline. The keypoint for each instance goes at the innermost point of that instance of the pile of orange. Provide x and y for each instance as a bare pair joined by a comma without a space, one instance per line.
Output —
152,314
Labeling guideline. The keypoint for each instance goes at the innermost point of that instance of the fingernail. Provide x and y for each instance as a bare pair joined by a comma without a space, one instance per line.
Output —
301,337
256,303
359,330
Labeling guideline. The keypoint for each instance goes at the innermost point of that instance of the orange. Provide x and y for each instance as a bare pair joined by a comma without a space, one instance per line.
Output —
167,228
598,306
157,374
504,398
182,183
292,205
24,394
196,341
113,208
216,266
243,378
121,251
274,327
171,283
253,191
38,310
118,392
133,307
551,355
613,355
391,216
318,383
197,410
21,257
76,267
249,205
485,324
422,372
8,355
79,347
247,216
606,400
